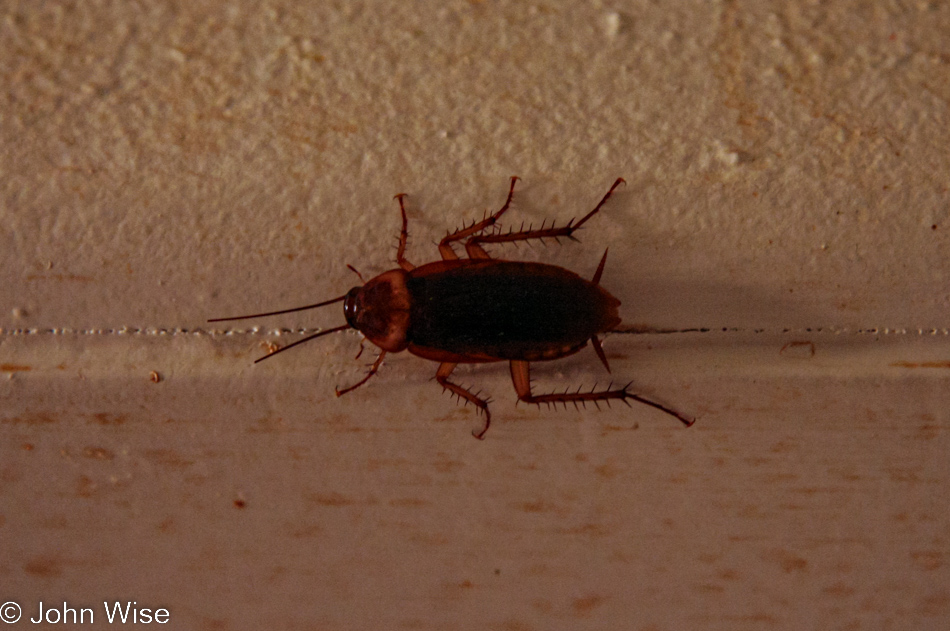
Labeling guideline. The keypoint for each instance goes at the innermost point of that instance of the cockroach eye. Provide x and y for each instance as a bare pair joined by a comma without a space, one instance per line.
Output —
350,308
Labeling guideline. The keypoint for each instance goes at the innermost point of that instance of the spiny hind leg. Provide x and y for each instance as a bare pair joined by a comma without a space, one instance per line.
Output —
442,376
445,247
521,377
473,245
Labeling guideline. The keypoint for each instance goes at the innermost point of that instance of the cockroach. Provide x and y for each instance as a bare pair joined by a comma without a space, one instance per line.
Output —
481,309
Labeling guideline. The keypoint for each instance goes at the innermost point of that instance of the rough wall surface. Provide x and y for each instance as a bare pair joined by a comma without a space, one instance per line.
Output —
788,181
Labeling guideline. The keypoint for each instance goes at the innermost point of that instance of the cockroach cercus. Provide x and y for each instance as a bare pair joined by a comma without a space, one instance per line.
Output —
482,309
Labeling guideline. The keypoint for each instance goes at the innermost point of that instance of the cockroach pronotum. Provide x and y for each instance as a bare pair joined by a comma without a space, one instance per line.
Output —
482,309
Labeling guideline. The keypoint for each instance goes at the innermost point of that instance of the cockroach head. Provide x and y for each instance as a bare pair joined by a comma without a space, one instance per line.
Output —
380,310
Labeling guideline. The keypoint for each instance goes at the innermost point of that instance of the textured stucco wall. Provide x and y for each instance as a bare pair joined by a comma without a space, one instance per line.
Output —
167,162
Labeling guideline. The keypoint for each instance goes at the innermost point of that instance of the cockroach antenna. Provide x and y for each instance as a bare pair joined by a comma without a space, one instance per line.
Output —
283,311
271,313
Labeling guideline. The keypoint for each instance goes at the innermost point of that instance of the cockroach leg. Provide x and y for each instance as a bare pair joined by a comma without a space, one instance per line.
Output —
682,419
448,254
475,251
473,244
357,272
442,376
595,342
403,237
521,377
372,371
445,247
603,201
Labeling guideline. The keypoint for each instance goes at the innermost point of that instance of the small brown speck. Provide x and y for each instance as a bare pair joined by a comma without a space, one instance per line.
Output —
788,561
839,589
27,447
330,499
239,503
97,453
154,377
928,559
934,364
11,368
586,604
44,567
799,349
85,487
103,418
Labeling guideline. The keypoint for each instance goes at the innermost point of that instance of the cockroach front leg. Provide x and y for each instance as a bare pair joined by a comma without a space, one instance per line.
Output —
442,376
403,237
475,250
521,377
372,371
448,254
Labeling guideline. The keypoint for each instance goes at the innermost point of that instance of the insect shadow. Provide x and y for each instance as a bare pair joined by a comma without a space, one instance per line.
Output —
480,309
